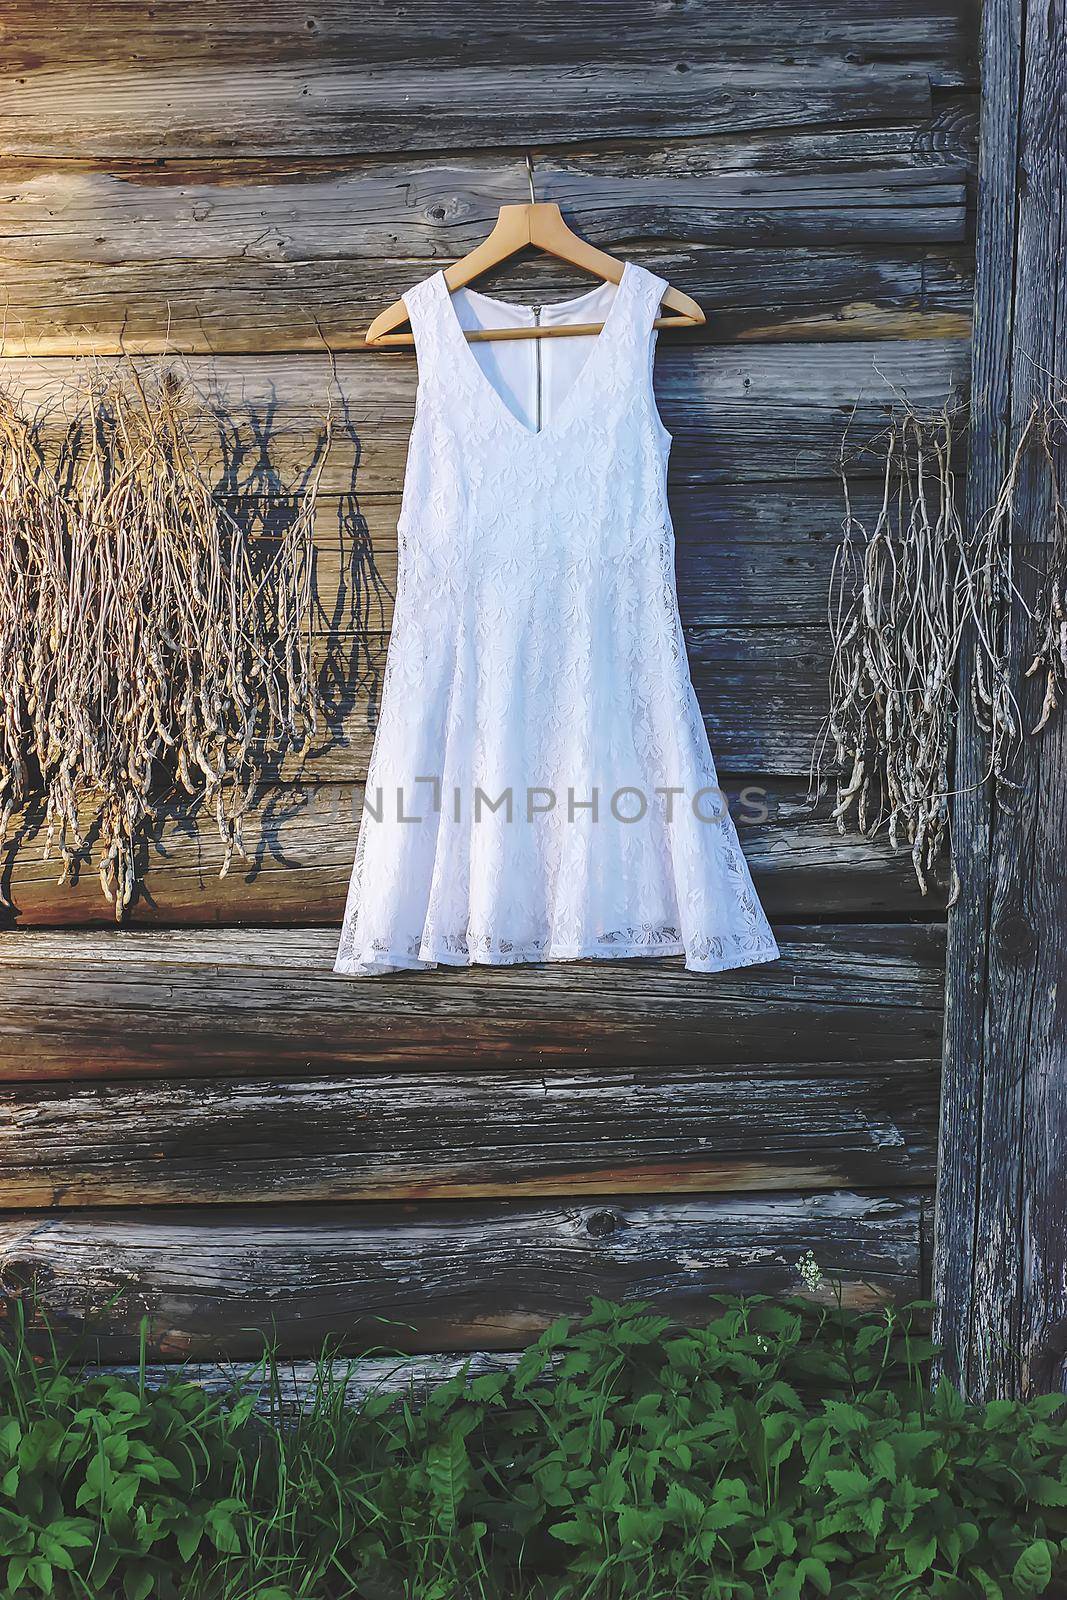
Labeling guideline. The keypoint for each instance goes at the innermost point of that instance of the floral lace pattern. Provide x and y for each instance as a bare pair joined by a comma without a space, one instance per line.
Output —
537,650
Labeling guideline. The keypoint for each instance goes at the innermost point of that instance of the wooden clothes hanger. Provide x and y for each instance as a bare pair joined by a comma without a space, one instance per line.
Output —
541,225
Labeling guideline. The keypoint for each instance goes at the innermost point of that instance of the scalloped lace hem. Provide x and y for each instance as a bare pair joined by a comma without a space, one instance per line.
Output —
380,963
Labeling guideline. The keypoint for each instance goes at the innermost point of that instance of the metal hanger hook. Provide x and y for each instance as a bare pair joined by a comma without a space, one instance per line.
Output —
529,175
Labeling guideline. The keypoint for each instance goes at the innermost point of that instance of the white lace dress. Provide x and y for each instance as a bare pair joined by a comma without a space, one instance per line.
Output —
541,786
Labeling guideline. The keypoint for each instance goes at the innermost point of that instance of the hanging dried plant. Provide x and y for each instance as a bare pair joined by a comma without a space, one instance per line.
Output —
146,642
902,592
903,586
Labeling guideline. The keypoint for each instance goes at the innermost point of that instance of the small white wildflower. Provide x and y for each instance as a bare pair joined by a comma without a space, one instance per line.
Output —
810,1271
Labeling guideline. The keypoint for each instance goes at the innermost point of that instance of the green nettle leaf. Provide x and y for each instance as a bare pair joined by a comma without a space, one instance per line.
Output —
569,1532
638,1527
948,1402
680,1498
816,1572
850,1484
1032,1572
919,1556
16,1571
883,1460
872,1516
488,1387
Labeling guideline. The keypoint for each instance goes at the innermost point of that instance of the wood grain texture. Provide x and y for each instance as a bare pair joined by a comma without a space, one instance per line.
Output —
92,1005
351,107
1001,1246
491,1274
897,185
301,840
966,987
737,414
510,1133
941,35
293,1385
243,305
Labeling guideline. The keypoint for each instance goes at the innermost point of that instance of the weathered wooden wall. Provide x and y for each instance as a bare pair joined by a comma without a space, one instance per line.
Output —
198,1122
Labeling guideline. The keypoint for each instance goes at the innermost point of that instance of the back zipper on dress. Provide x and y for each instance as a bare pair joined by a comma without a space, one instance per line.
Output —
537,349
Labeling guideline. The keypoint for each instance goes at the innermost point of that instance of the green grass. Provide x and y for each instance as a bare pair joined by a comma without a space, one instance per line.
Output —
782,1451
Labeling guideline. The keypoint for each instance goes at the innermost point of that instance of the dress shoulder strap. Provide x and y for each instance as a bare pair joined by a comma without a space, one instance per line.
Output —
650,285
648,291
640,333
423,305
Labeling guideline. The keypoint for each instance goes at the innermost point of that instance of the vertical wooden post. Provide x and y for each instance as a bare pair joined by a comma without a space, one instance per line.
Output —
1001,1239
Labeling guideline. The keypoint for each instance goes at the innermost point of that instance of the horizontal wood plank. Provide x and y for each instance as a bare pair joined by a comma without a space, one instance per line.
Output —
870,186
212,1284
113,32
182,107
242,305
420,1136
233,1001
737,414
301,842
291,1387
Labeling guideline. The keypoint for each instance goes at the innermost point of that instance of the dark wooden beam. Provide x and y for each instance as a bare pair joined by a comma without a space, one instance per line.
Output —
423,1135
265,1002
1001,1252
493,33
215,1282
828,189
247,304
133,107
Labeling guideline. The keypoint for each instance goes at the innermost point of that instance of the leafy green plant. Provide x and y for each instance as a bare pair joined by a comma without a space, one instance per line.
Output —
780,1452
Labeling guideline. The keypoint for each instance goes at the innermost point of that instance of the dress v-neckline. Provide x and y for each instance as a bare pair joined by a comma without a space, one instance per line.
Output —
494,395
